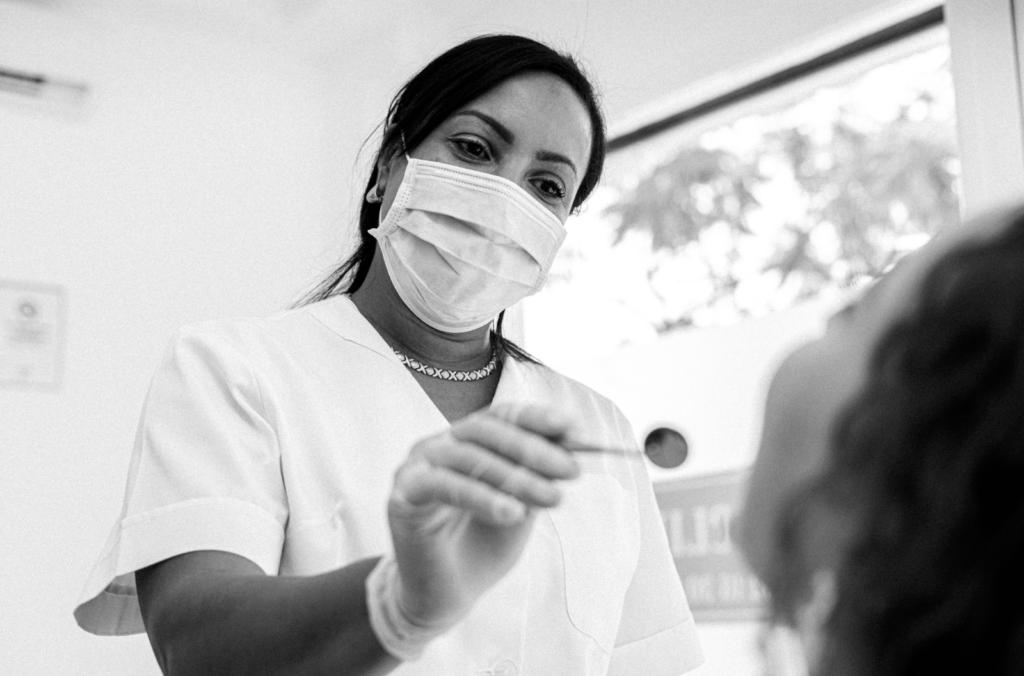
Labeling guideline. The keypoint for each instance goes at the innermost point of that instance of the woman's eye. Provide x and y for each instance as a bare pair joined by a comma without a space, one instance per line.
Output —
472,148
550,188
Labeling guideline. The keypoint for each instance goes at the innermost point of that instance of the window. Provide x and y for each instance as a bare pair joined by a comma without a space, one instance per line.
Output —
713,246
711,224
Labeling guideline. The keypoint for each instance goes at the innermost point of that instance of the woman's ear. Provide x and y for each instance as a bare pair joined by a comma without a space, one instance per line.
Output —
391,165
390,147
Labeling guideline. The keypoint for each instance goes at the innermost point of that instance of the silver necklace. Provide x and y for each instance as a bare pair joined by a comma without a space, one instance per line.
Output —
449,374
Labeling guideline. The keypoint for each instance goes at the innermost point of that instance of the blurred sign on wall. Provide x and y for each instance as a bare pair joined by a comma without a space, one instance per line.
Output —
32,325
699,514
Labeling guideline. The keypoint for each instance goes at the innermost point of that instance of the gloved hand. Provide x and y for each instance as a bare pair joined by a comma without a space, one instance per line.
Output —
461,507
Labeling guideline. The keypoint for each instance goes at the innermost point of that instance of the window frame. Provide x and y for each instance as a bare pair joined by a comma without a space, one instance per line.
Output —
987,63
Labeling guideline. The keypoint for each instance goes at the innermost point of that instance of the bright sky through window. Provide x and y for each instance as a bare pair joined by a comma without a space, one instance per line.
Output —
756,215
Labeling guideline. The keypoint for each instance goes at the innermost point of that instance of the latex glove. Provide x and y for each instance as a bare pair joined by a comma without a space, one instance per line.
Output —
461,507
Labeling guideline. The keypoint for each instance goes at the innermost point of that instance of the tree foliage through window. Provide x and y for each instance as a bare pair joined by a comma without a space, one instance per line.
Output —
772,210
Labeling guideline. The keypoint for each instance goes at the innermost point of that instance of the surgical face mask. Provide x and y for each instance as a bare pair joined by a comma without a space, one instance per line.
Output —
461,245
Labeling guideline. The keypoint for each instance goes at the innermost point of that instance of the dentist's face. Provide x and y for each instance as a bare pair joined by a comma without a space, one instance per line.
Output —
531,129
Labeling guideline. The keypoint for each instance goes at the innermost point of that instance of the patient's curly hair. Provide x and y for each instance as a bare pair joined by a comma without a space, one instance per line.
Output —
927,469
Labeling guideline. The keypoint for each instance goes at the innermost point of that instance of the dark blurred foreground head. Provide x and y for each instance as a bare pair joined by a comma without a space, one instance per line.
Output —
892,467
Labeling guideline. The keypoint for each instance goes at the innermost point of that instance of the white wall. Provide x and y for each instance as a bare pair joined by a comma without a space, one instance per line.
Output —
192,186
708,383
211,174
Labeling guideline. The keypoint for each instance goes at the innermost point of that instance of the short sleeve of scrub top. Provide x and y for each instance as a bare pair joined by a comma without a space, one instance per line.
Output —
205,475
276,439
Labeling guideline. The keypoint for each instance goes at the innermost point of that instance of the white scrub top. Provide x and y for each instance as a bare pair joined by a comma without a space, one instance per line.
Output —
276,439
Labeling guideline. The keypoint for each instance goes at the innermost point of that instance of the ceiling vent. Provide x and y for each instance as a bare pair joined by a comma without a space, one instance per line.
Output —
55,94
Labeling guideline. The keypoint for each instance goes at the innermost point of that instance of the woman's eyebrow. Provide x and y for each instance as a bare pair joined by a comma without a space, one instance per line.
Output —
506,134
548,156
498,127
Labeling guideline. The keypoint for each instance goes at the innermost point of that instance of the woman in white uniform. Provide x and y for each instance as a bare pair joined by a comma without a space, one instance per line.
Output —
379,482
885,511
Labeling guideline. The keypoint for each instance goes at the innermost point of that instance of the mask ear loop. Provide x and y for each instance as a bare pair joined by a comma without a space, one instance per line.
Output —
375,194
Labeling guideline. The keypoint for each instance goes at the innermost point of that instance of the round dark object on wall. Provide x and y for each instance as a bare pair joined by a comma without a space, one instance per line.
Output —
666,447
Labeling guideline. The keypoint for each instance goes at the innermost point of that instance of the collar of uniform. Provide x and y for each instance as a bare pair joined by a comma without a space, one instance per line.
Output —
518,383
340,314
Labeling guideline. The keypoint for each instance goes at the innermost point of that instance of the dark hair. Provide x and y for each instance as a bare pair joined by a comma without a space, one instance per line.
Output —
926,468
456,77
